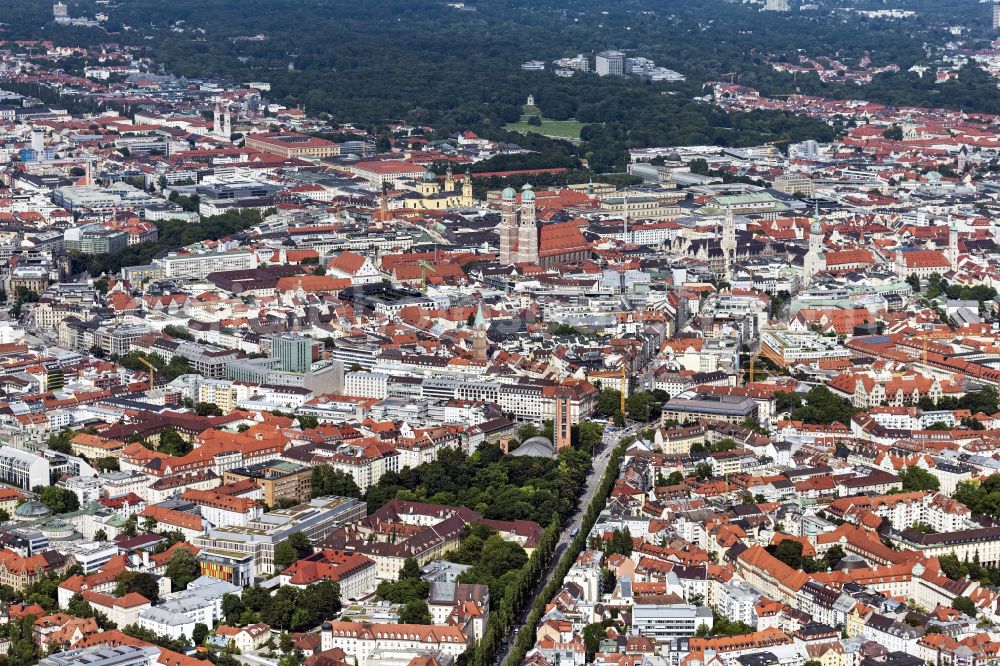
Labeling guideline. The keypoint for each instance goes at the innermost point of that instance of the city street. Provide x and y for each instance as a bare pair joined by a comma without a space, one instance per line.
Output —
610,441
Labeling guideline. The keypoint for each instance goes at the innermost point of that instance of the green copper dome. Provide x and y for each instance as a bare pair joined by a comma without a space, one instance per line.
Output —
32,510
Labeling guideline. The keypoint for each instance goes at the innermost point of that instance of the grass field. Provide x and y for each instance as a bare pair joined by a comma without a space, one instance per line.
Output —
561,129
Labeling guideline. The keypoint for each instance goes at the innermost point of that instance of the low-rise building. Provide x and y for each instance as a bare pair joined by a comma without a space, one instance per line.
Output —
365,641
354,572
277,479
178,613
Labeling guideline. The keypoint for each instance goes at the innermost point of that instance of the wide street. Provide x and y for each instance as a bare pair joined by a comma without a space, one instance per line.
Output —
610,441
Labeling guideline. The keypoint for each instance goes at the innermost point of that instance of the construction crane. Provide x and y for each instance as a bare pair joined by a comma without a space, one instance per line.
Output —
748,373
152,371
926,338
424,267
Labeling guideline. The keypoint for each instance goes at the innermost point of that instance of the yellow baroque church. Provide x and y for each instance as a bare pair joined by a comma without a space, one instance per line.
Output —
432,195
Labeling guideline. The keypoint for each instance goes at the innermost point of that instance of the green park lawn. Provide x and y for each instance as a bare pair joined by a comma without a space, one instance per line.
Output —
563,129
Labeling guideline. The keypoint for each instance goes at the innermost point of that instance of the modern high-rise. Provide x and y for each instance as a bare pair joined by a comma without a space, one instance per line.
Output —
776,6
610,63
996,15
293,352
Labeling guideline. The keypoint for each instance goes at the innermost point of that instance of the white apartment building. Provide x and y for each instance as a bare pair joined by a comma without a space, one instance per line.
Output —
610,63
200,264
365,463
123,611
86,488
736,600
366,384
662,622
23,469
586,572
179,612
903,510
224,510
366,641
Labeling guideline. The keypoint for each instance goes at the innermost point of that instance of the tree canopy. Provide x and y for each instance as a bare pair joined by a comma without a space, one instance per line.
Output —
182,568
918,478
496,485
818,405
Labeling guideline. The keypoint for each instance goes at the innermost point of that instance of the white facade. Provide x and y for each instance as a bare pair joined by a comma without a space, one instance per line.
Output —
221,517
365,641
179,612
200,265
735,601
23,469
366,384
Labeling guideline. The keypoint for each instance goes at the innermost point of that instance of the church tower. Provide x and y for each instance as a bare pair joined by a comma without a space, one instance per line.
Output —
527,229
429,184
227,123
479,342
508,227
217,120
728,243
449,180
467,189
952,252
814,261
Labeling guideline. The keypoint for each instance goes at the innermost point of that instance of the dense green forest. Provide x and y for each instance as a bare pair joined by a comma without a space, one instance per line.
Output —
428,63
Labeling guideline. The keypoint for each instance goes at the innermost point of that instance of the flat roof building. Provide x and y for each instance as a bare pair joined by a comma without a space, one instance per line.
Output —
23,469
316,519
292,144
277,479
122,655
732,409
610,63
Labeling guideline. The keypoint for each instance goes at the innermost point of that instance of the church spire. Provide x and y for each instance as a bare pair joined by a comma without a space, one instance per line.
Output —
479,341
728,243
952,252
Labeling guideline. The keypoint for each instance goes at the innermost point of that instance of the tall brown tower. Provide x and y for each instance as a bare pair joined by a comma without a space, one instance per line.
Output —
508,227
562,421
527,228
479,341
